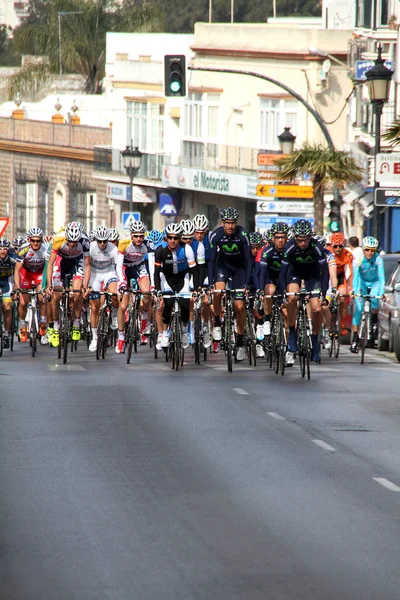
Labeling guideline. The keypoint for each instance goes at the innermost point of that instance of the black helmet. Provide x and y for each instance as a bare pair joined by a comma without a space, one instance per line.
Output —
302,228
229,214
255,238
280,227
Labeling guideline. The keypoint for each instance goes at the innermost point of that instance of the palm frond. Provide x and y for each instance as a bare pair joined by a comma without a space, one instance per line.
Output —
392,134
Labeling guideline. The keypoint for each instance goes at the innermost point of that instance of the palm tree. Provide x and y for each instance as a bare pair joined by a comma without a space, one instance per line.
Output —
326,166
392,134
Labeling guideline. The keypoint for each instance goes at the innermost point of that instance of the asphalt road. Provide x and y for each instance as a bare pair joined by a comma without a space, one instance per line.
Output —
135,482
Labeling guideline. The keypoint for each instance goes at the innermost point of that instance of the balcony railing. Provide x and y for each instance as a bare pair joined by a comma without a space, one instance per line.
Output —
218,157
109,160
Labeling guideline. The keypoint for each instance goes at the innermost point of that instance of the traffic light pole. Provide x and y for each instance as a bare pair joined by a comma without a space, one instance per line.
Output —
310,109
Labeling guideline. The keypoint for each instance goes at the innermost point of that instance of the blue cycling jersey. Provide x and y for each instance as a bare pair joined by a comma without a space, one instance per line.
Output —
366,272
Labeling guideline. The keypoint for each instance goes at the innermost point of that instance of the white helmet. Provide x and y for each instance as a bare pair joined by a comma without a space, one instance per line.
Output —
370,242
188,228
102,233
137,227
200,223
114,235
35,231
174,229
73,232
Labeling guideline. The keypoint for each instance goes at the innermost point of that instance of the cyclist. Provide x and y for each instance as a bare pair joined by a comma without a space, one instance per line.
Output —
8,260
17,243
29,272
368,278
256,244
102,274
174,265
304,261
69,256
230,257
132,254
344,267
114,237
331,292
201,236
153,240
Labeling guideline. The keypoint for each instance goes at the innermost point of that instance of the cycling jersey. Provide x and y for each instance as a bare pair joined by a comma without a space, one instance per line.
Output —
270,265
151,252
174,265
103,259
255,272
130,261
61,247
367,272
344,265
32,260
230,251
7,265
308,265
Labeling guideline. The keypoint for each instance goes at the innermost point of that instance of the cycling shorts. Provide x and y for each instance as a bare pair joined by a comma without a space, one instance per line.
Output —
72,267
273,279
175,284
136,272
223,272
312,285
6,288
27,278
101,279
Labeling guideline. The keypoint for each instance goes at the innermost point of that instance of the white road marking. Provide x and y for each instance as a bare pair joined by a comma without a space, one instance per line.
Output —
276,416
378,358
241,392
324,445
387,484
58,367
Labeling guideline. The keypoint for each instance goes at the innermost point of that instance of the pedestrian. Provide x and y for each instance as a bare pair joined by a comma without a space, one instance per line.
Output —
354,247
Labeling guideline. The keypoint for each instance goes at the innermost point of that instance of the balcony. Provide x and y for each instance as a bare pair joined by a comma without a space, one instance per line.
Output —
109,160
218,157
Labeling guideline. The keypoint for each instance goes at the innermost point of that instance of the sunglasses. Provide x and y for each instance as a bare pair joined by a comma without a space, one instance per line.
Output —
187,239
138,236
337,246
369,249
36,241
173,237
102,241
280,237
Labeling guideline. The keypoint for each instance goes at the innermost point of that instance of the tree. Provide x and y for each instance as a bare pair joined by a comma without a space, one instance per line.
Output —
392,134
326,166
83,35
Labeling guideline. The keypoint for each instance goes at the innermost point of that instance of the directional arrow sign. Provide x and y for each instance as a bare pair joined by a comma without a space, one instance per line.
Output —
4,221
285,191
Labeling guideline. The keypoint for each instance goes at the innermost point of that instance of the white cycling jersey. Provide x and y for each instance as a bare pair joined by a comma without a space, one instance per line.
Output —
103,260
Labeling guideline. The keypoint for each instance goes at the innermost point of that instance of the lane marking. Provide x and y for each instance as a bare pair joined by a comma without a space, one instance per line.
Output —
241,392
58,367
324,445
276,416
389,485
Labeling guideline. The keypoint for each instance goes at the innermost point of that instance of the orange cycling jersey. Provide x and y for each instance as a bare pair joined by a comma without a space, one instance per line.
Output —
345,258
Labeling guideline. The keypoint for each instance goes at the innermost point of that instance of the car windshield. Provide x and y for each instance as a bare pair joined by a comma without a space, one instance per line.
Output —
390,262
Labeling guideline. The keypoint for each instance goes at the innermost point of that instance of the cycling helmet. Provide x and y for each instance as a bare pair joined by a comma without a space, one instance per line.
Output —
337,239
229,214
321,240
255,238
102,233
370,242
18,242
174,229
137,227
279,227
4,243
73,232
155,236
114,235
302,228
35,231
188,228
91,236
200,223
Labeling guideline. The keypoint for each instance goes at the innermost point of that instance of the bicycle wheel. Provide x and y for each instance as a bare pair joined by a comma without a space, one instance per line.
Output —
106,335
129,335
136,327
178,350
34,334
101,329
228,340
363,336
12,328
65,336
251,338
197,337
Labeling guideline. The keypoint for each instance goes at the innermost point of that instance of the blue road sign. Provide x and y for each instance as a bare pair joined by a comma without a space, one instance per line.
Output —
128,217
264,222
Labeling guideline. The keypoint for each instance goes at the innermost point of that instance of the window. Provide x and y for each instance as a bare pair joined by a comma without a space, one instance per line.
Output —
82,208
146,126
202,115
32,203
275,114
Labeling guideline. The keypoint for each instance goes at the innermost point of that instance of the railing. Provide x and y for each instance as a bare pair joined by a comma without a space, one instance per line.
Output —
109,160
219,157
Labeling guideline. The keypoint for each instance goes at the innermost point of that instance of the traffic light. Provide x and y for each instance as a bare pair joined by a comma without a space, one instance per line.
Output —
175,75
334,215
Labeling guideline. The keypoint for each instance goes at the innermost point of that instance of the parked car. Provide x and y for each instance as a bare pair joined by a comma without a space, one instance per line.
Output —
389,310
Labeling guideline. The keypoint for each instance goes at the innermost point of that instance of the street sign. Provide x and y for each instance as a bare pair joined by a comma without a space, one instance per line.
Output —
387,168
284,206
264,222
385,197
264,159
285,191
362,66
269,173
128,217
4,221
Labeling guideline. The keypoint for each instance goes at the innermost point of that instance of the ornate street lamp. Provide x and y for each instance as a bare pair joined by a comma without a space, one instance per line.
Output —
132,158
286,141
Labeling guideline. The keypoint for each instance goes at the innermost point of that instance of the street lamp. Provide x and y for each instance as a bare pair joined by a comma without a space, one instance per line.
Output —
132,158
323,54
286,141
378,82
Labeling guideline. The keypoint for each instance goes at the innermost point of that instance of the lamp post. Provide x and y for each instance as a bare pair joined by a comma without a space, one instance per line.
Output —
378,82
286,141
132,158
